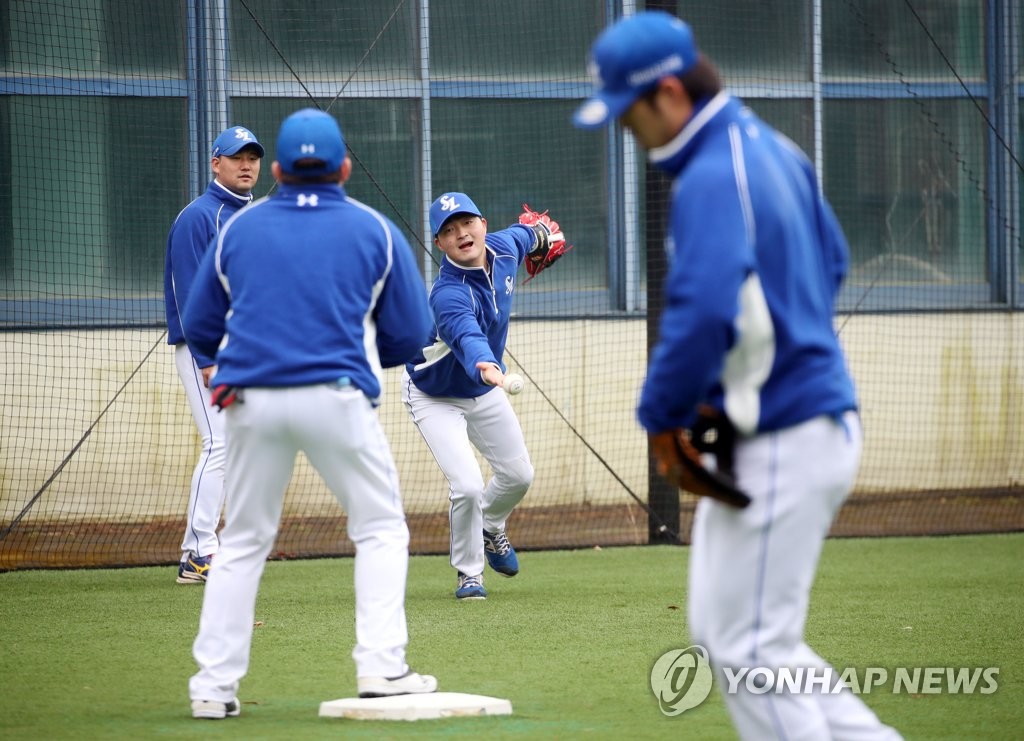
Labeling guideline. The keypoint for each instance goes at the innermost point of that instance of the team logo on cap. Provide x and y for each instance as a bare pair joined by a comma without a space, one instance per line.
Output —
307,148
243,134
666,66
448,203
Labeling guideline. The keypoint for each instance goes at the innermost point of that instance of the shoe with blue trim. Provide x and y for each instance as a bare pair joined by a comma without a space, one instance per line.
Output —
500,554
194,569
470,587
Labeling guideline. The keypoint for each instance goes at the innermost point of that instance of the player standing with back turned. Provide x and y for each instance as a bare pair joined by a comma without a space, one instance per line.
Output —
757,258
307,295
235,162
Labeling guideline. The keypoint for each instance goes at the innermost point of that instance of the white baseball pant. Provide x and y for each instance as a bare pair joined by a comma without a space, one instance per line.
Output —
206,492
452,427
340,433
751,572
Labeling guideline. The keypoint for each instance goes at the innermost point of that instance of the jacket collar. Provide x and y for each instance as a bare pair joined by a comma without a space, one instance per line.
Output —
227,195
482,271
333,190
672,156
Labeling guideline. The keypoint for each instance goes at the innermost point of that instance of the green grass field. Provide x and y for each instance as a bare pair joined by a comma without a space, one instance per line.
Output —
105,654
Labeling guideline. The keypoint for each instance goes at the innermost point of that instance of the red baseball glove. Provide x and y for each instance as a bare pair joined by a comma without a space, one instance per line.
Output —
550,242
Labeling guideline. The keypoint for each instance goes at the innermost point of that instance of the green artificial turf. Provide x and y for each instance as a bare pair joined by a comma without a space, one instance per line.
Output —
570,641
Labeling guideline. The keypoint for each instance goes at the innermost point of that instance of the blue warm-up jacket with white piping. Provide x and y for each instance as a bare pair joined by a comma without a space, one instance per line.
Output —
191,235
757,258
308,286
471,309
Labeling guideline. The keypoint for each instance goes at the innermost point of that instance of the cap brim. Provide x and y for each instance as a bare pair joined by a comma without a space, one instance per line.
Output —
449,217
255,145
602,109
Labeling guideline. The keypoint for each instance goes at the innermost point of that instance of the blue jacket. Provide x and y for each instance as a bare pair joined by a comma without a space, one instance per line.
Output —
193,231
757,257
307,286
471,309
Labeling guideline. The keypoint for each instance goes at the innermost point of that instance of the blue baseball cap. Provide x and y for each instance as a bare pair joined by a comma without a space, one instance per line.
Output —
313,137
447,206
232,139
629,58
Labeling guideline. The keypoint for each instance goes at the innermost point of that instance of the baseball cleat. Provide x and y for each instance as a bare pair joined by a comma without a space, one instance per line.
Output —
194,569
409,683
216,710
500,554
470,587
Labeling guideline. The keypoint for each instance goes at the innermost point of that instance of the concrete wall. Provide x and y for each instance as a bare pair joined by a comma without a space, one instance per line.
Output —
941,399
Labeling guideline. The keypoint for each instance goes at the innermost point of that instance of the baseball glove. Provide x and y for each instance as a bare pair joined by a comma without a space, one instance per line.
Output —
679,462
224,396
550,242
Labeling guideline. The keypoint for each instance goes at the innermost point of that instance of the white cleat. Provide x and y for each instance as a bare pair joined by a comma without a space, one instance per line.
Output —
409,683
215,710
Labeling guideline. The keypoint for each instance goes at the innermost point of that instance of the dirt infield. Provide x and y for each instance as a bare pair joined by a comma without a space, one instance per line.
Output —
69,544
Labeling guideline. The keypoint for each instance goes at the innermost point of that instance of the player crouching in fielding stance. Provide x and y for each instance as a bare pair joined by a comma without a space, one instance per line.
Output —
235,162
306,295
756,260
453,388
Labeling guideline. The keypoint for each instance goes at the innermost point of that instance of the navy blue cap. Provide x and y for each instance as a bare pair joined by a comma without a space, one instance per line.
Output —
232,139
629,58
310,134
446,206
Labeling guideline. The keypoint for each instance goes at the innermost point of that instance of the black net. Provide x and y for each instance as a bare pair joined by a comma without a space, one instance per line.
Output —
910,111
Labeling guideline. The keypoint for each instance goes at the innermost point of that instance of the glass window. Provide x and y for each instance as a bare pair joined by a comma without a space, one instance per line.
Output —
94,37
907,172
792,117
381,137
913,213
503,153
318,40
527,39
751,40
1020,195
94,220
1020,177
880,39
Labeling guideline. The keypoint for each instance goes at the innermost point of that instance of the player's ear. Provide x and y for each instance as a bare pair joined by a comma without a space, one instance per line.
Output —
672,99
676,89
346,170
275,170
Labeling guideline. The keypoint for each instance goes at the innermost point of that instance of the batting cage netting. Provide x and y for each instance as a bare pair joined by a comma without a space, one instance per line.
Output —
910,111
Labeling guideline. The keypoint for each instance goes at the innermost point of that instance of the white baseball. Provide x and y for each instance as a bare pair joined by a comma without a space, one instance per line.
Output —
513,383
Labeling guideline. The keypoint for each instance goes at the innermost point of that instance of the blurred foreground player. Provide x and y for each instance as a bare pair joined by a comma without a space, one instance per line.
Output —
746,340
306,296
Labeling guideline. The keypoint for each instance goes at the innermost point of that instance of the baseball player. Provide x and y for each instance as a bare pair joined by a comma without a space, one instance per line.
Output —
235,162
756,259
453,387
306,296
